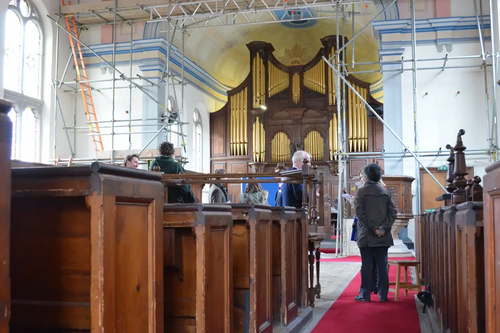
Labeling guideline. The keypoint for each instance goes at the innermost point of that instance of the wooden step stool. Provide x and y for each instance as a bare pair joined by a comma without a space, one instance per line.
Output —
400,285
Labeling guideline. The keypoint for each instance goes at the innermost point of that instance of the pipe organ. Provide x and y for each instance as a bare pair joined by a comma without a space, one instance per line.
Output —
280,105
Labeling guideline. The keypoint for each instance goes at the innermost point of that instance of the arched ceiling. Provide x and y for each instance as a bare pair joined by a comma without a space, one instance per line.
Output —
222,51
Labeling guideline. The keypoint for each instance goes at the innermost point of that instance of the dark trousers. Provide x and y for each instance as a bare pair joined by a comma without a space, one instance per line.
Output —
368,256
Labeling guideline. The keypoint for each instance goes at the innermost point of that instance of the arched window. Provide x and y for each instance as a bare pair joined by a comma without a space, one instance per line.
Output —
198,141
23,77
173,135
23,50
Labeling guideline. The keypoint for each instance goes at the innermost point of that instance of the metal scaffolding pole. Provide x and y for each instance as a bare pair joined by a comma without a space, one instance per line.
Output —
181,110
344,132
415,101
352,34
122,75
383,122
339,229
130,86
362,29
54,86
495,67
113,107
483,54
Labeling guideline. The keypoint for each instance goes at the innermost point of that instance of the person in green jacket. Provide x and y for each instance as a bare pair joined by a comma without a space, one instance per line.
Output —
167,165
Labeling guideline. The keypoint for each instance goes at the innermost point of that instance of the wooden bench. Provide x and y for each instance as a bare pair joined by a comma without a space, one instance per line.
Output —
252,268
86,250
198,269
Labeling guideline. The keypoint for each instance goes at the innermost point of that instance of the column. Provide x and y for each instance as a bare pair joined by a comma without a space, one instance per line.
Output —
393,106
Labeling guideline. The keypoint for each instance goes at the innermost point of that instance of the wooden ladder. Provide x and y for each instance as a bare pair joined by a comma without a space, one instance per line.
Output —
85,88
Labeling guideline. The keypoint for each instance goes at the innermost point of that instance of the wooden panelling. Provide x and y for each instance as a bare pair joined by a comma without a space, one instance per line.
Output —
285,280
429,190
218,139
199,277
252,267
355,167
87,255
492,246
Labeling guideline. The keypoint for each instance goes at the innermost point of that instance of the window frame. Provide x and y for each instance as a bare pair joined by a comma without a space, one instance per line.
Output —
21,101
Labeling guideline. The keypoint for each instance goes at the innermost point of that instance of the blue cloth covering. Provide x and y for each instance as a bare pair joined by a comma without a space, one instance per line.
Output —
353,233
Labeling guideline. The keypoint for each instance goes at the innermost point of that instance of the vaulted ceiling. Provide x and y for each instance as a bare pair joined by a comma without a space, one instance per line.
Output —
222,51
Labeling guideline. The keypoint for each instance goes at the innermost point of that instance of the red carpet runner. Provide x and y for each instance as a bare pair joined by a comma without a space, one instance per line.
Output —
348,316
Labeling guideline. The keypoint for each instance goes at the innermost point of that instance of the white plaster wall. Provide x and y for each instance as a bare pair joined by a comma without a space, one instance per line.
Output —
443,111
194,99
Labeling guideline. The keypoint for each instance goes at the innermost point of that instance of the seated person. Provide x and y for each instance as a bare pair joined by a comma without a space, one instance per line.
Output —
253,194
217,193
167,165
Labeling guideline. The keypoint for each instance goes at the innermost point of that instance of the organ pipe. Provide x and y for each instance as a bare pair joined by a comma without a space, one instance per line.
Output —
280,148
314,144
258,82
334,136
358,120
314,78
332,94
238,123
296,88
259,141
278,80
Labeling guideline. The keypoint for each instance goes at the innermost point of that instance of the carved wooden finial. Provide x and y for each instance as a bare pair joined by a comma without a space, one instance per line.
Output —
459,195
468,190
477,189
451,168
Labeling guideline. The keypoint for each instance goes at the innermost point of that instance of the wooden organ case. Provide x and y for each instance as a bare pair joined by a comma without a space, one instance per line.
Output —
279,106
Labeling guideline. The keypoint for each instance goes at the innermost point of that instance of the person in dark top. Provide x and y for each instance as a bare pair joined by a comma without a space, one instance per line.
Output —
167,165
291,194
376,214
218,192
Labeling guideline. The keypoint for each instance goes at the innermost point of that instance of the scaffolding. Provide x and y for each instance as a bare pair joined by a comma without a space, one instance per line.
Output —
185,15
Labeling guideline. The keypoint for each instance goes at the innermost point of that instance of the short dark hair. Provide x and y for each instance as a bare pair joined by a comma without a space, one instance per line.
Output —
373,172
129,158
220,171
166,148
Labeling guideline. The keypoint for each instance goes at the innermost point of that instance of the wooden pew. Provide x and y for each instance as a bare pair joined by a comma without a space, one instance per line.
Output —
302,258
5,153
86,250
284,253
453,253
198,270
491,195
252,256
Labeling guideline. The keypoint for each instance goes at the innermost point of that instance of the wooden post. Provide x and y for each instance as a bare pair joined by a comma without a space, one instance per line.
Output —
5,153
449,220
460,171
